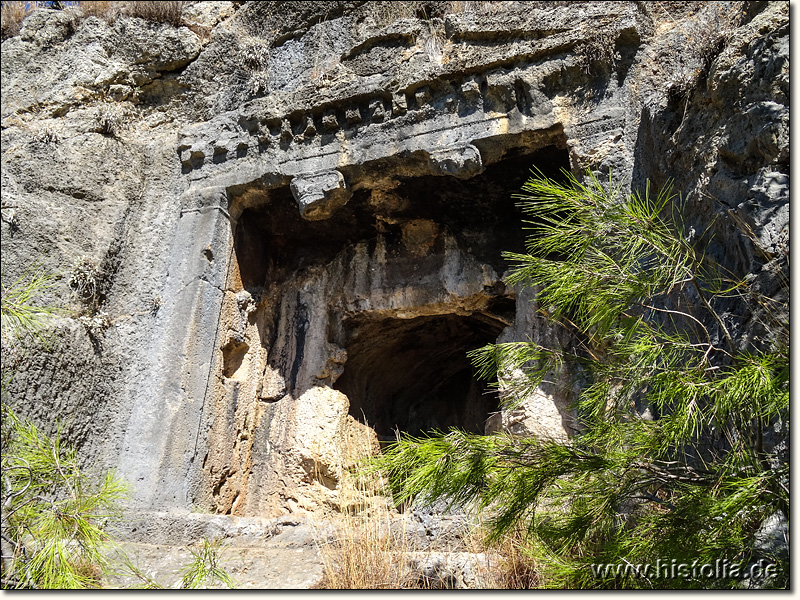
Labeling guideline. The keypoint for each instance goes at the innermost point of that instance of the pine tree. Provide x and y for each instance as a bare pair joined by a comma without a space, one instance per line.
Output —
670,460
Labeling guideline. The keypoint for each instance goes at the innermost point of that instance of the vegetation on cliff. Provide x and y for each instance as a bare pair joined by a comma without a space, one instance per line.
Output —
55,513
671,461
13,13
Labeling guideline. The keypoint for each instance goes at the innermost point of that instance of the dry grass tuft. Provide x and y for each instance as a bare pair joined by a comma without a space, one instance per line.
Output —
156,11
368,547
102,9
475,6
366,553
371,545
386,13
512,567
108,122
11,15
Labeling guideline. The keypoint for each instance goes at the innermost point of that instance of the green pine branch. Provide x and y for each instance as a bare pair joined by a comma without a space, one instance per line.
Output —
687,478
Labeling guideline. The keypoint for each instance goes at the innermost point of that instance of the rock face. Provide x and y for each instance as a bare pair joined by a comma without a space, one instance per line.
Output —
296,212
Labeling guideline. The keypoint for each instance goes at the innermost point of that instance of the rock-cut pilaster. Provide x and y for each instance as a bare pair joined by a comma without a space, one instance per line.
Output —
166,432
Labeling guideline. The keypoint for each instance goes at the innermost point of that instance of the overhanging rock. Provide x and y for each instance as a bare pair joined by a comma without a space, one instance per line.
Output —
463,162
319,195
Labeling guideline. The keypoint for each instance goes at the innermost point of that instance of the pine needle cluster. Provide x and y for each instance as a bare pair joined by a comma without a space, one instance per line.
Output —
54,514
22,317
670,460
204,570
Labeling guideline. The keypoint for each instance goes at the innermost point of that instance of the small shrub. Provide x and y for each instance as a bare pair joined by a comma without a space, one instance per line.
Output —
155,304
157,12
96,324
46,136
259,84
84,280
12,221
108,123
255,57
596,50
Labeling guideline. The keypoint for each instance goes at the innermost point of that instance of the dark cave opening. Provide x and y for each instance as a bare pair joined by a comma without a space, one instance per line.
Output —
406,374
414,376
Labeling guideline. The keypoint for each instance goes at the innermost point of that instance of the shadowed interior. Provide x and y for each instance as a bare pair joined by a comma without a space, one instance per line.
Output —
272,240
413,375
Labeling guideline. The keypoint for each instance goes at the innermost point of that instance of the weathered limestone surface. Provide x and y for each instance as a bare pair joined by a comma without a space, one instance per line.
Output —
297,213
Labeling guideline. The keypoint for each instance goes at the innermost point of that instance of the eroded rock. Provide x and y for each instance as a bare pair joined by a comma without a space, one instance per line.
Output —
282,202
319,195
